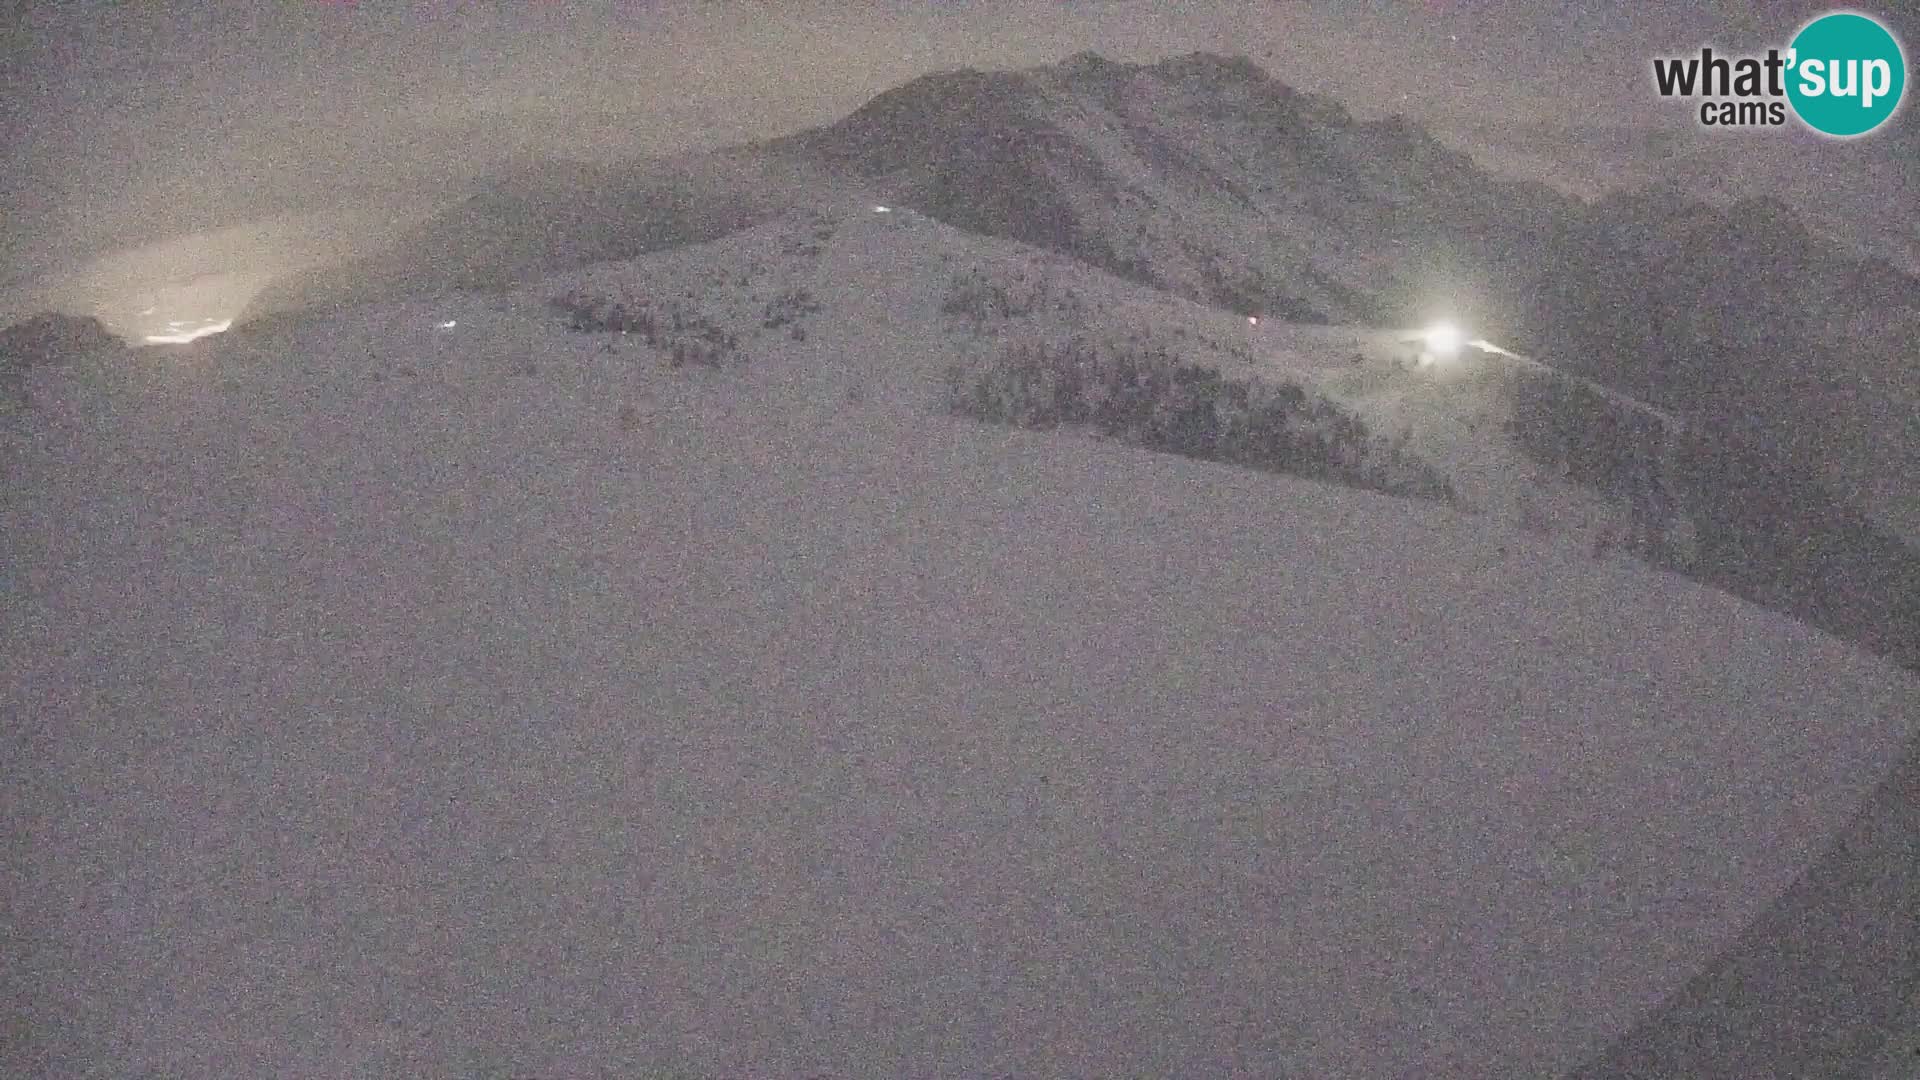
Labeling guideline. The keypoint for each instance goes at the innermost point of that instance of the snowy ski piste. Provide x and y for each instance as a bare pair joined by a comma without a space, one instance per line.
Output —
428,690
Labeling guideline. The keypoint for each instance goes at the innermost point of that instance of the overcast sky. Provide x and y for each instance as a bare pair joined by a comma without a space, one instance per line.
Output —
129,122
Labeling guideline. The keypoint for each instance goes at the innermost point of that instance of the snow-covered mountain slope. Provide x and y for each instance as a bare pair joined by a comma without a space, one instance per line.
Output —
902,296
403,698
1526,444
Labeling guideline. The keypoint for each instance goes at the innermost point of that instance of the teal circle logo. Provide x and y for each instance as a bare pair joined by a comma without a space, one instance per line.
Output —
1846,74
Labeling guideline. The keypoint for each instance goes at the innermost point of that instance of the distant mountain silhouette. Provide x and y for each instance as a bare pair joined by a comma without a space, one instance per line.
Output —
52,337
48,338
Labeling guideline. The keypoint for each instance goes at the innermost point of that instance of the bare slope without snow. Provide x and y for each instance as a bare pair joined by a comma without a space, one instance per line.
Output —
493,699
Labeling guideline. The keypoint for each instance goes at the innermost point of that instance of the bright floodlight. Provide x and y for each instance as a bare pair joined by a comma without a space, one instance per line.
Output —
449,324
883,209
1442,339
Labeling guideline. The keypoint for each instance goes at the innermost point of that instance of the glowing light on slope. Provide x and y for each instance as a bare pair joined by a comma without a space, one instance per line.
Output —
883,209
1442,339
184,336
449,324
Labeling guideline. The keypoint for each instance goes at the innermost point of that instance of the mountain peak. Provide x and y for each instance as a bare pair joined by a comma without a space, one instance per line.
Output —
1088,60
1199,70
1213,67
922,120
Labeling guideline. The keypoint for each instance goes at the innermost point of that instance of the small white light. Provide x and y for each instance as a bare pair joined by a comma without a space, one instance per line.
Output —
1253,320
883,209
449,324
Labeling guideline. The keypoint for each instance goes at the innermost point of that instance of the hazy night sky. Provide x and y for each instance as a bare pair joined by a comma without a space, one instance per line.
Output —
128,123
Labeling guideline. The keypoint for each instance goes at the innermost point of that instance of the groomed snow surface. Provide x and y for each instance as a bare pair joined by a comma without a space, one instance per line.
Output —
383,706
